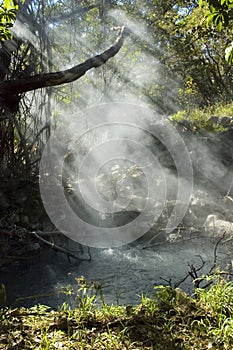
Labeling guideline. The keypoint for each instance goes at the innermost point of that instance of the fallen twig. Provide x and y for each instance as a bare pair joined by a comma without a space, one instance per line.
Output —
58,249
215,253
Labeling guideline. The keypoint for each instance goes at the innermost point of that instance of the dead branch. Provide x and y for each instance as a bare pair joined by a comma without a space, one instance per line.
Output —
22,85
215,253
59,249
18,235
193,272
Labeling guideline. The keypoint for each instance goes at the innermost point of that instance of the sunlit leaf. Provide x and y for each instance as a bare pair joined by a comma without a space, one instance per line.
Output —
211,18
229,54
7,4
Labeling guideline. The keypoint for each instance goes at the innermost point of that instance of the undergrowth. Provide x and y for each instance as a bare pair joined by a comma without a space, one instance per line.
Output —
170,320
212,118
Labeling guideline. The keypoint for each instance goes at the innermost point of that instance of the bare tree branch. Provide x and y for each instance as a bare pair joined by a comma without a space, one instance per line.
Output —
57,248
22,85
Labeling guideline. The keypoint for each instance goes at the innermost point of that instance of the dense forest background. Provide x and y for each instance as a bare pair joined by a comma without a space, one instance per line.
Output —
172,57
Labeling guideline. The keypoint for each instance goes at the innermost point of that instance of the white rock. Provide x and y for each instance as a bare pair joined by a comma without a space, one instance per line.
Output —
217,226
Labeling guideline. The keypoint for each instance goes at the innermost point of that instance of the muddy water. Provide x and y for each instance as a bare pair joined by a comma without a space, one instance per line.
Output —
125,272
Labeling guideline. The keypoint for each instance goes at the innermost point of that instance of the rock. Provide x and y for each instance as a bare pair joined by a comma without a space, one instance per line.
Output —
227,121
224,121
216,226
214,119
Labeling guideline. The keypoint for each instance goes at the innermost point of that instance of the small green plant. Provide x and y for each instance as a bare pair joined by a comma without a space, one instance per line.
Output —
89,291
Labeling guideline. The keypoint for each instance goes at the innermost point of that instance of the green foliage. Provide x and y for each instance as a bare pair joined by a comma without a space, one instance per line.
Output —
8,11
169,320
229,53
193,52
199,120
217,308
220,15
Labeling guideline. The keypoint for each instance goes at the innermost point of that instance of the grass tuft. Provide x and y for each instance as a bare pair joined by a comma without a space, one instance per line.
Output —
170,320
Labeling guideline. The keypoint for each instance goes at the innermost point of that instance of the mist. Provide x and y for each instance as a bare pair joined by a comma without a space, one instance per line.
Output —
119,177
112,190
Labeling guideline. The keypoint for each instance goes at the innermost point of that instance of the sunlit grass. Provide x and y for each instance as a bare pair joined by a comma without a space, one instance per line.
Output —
200,120
170,320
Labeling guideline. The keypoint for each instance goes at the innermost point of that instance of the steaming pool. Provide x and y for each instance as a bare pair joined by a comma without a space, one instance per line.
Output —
132,270
126,273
